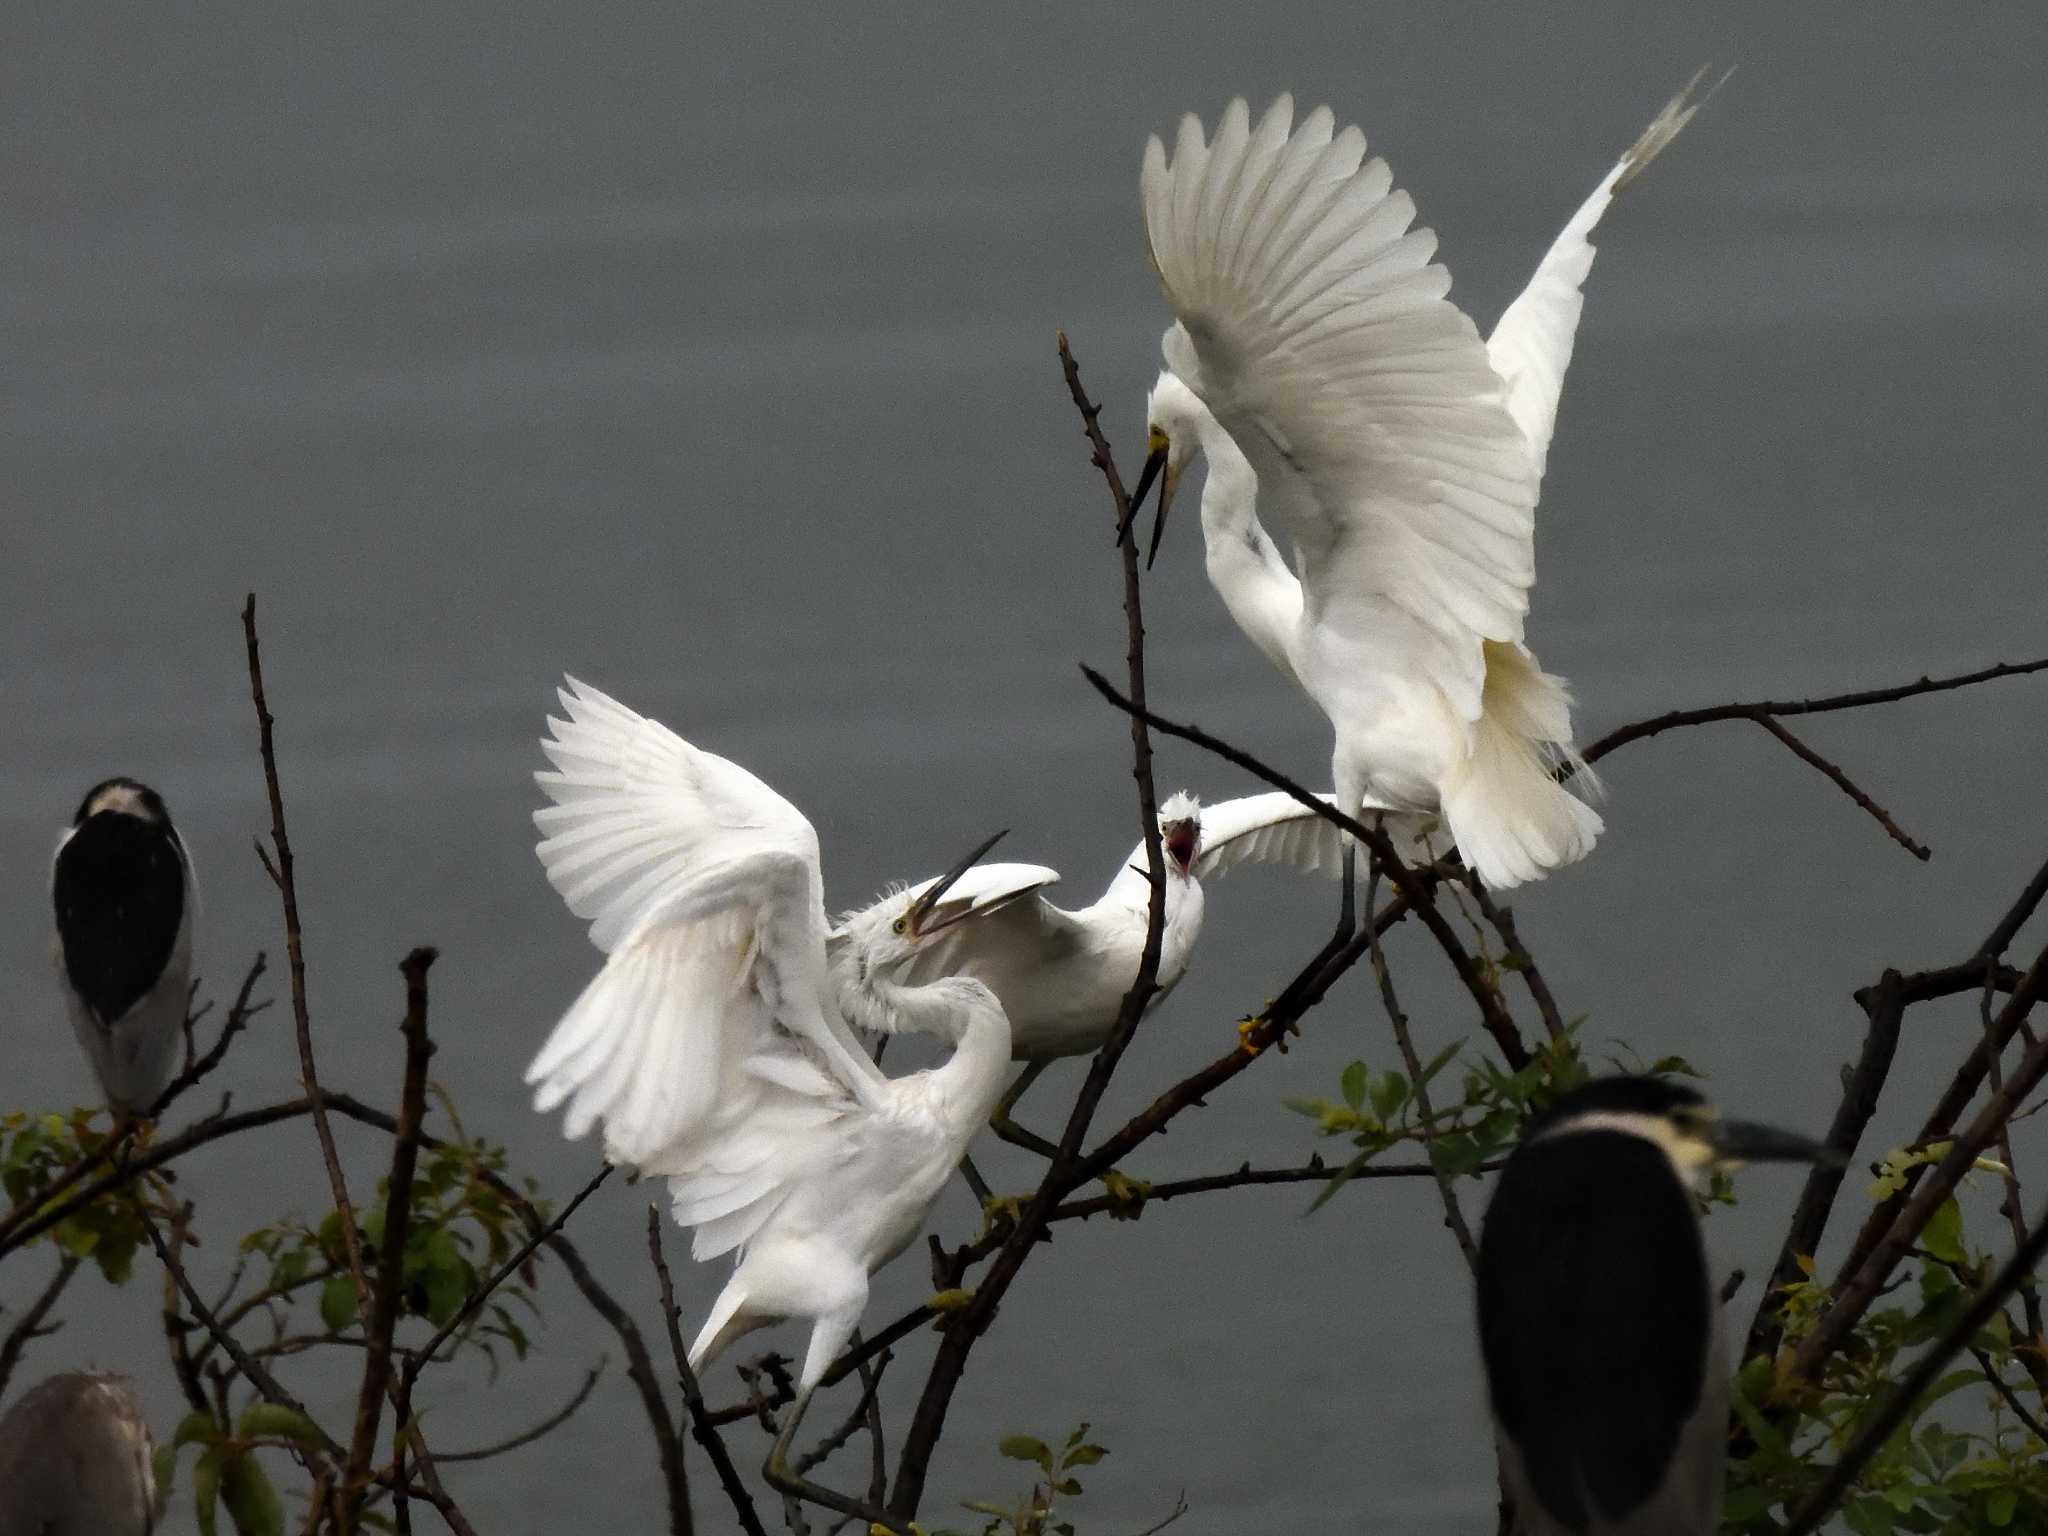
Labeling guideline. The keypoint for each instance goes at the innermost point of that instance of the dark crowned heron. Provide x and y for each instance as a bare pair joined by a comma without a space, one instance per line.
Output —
123,892
75,1460
1599,1324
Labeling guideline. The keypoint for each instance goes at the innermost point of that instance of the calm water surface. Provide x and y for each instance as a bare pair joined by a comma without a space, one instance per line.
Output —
709,355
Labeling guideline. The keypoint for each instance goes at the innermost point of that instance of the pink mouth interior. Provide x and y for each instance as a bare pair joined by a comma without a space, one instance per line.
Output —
1180,842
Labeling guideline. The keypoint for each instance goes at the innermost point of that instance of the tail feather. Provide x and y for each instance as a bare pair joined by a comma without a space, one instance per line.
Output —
1512,820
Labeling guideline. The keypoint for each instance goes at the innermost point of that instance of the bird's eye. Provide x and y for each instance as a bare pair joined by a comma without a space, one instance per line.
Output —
1155,440
899,925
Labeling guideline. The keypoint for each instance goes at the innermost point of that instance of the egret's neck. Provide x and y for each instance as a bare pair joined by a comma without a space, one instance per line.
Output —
954,1008
1245,567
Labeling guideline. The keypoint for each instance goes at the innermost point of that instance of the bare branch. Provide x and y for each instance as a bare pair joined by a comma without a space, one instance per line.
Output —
30,1326
1842,781
703,1428
545,1427
295,950
237,1020
1675,719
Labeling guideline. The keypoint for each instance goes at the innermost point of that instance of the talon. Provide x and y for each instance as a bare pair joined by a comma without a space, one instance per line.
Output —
1127,1195
1246,1028
954,1300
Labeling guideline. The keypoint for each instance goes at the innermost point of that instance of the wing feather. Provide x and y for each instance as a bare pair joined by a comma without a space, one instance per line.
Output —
1531,347
1312,322
701,884
1276,828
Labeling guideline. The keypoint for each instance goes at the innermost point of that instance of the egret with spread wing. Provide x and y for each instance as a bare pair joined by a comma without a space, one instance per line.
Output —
1061,975
1339,397
711,1049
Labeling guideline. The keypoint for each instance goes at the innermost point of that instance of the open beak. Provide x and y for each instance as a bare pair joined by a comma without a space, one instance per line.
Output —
921,909
1744,1141
1166,484
1182,838
1155,461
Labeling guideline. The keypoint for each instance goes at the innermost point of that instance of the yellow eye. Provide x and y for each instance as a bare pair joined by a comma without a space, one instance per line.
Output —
1155,440
899,925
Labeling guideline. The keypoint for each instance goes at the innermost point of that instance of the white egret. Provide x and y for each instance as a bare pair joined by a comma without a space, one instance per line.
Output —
1338,395
1061,975
711,1047
1599,1324
123,892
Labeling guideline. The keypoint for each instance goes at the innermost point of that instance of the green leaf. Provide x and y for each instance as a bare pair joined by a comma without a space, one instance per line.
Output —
1085,1455
338,1302
252,1502
1388,1094
1354,1080
2000,1505
1943,1234
1869,1516
206,1489
1438,1062
277,1422
196,1429
1026,1448
1068,1485
163,1468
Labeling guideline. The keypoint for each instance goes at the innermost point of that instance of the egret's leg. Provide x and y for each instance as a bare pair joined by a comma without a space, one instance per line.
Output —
1009,1130
1347,926
975,1181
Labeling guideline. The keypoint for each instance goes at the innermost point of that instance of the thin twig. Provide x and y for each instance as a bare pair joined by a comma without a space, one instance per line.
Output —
871,1379
1672,720
1315,1171
295,950
30,1325
706,1432
237,1020
2012,1400
961,1329
1454,1213
546,1426
1518,958
1842,781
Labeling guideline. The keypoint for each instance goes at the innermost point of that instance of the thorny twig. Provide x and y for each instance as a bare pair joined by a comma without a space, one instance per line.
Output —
705,1431
30,1325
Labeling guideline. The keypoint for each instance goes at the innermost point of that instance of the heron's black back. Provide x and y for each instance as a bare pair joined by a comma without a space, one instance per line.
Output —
1593,1318
120,898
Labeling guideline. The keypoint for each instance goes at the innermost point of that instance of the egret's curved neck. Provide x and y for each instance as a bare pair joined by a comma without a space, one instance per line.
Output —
953,1008
1245,566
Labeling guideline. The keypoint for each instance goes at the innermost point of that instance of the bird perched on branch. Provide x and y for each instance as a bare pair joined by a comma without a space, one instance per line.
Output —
75,1460
1343,401
1599,1324
123,892
1061,975
711,1048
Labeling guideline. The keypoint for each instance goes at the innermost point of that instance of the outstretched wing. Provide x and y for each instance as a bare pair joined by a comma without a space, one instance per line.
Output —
702,887
1532,345
1312,322
1276,828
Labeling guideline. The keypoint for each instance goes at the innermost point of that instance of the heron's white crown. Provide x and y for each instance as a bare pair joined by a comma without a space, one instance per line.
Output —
1180,806
1691,1153
124,800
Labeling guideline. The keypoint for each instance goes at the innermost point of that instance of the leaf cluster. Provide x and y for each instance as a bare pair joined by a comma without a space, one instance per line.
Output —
1037,1512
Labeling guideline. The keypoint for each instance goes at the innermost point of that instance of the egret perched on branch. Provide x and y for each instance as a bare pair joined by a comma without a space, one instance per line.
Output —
1599,1324
711,1048
123,891
1340,397
1061,976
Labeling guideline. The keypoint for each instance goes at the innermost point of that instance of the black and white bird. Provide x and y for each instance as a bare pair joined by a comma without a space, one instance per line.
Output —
123,891
1599,1324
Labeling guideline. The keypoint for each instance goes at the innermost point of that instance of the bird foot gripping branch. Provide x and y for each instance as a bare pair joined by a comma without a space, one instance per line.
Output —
1001,1210
958,1299
1250,1029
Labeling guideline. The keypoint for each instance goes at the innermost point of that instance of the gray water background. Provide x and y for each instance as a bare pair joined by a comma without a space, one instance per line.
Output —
708,353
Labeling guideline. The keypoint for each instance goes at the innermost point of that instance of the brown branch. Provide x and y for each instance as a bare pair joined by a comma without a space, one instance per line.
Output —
237,1020
1454,1214
419,1358
30,1326
870,1383
1315,1171
1941,1120
545,1427
266,1385
2012,1399
1673,720
1884,1006
702,1427
1842,781
1878,1428
295,950
2023,907
961,1329
390,1292
1863,1285
1518,958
